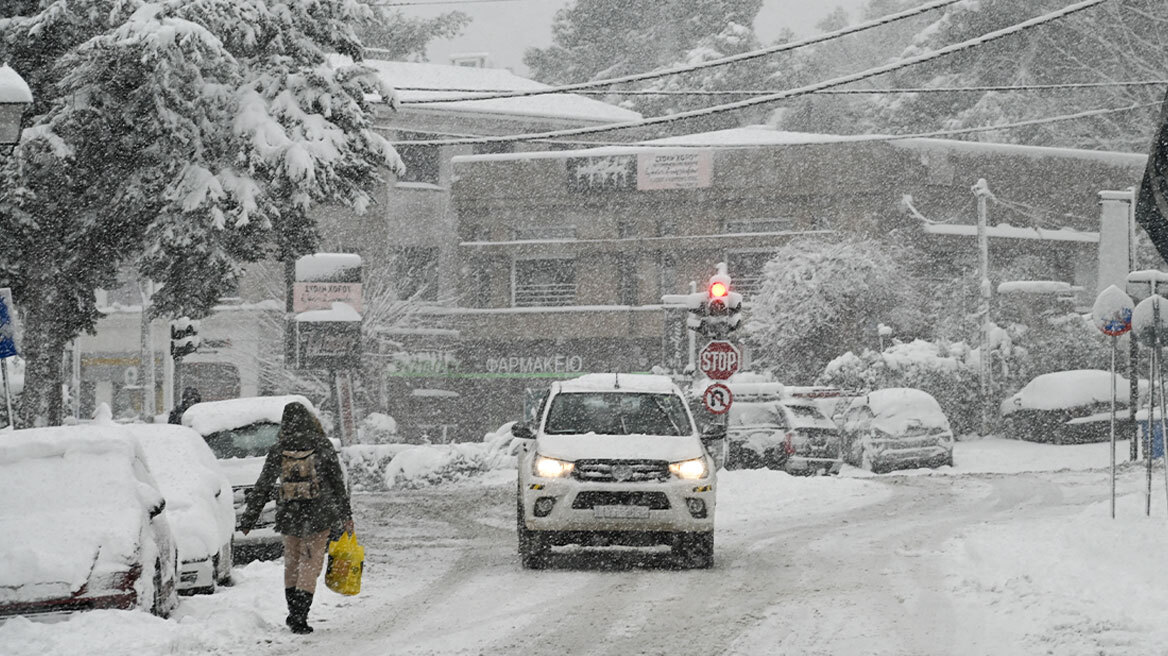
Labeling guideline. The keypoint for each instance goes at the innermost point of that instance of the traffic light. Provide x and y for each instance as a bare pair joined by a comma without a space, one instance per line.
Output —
184,337
716,312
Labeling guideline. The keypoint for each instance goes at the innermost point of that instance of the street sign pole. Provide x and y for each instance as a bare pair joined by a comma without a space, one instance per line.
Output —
7,393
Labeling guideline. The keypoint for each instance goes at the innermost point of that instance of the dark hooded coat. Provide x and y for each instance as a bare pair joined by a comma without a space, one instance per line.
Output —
301,433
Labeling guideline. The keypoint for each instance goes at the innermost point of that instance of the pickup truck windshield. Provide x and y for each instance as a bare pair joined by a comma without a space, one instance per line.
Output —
617,413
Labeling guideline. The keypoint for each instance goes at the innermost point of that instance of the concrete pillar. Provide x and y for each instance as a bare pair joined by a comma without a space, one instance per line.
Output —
1116,238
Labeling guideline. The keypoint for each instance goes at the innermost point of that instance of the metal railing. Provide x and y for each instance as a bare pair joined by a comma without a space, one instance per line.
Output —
545,295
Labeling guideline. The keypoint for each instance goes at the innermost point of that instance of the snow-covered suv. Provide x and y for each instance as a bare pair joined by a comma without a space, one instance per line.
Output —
615,459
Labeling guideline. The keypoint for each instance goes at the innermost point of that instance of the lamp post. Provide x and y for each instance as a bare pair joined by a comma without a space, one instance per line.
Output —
15,97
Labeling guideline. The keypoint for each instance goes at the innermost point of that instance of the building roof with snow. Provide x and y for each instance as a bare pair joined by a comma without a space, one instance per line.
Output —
419,82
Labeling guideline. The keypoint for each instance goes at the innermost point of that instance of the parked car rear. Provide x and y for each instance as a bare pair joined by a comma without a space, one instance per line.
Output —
82,524
198,502
896,428
791,434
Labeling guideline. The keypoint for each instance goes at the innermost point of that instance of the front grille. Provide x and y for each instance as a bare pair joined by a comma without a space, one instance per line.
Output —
590,499
621,471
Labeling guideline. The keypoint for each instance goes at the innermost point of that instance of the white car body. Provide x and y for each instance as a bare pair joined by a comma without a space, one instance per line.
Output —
198,501
214,419
621,488
83,523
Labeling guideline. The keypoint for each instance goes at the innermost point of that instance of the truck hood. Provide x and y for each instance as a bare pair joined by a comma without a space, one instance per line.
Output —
619,447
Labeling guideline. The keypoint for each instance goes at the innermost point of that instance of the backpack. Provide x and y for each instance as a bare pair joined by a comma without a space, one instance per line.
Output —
298,478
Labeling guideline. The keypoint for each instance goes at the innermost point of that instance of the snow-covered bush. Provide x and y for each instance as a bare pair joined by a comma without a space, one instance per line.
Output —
377,428
378,467
366,464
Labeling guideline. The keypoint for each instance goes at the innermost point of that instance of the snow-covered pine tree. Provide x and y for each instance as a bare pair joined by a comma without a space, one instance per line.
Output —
182,137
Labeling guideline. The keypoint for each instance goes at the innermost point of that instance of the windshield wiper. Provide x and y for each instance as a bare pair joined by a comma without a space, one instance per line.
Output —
664,411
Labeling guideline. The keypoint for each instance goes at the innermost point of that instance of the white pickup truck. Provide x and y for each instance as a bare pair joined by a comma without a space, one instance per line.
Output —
616,459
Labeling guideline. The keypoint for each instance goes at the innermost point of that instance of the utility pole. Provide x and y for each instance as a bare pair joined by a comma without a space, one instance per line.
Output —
981,191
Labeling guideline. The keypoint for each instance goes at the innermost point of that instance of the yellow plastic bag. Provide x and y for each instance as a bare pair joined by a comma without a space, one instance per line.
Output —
346,559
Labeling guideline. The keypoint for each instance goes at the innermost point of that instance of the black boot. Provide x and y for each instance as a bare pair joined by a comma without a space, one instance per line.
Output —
290,598
298,615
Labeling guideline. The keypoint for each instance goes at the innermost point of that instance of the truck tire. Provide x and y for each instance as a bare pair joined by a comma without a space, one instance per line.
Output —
695,550
533,549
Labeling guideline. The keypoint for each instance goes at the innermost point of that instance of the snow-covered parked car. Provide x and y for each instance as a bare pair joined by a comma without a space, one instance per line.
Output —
615,459
896,428
82,524
240,433
1065,407
791,434
198,502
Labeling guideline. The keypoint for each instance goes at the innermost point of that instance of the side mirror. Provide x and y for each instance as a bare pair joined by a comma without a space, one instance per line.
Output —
522,431
714,432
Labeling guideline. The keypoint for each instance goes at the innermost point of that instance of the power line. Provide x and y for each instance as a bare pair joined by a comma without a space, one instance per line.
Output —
434,2
759,92
791,93
753,54
1091,113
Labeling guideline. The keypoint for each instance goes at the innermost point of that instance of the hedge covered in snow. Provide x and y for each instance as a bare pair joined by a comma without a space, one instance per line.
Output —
379,467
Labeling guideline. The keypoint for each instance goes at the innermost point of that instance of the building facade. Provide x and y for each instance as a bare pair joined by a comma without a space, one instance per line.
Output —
563,257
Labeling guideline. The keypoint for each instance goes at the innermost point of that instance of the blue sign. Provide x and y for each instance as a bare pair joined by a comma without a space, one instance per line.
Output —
7,326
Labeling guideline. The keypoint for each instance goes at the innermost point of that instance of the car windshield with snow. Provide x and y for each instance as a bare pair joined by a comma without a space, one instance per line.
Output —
615,459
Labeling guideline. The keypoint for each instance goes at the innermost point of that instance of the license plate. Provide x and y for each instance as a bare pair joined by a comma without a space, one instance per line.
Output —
621,512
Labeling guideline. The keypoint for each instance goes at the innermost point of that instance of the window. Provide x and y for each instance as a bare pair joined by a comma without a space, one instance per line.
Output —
746,268
415,273
547,282
628,278
422,162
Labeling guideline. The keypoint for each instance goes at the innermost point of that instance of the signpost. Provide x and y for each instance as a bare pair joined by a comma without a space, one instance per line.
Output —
326,330
1113,317
719,359
718,399
7,344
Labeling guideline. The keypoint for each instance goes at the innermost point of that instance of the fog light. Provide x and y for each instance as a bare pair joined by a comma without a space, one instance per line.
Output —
543,506
697,507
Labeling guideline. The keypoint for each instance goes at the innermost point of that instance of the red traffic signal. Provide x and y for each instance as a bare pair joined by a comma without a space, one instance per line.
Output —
719,289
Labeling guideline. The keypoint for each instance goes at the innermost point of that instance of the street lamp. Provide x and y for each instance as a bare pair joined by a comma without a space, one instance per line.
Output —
15,97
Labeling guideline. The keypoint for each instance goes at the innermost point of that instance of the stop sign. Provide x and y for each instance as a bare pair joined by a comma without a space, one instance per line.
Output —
719,359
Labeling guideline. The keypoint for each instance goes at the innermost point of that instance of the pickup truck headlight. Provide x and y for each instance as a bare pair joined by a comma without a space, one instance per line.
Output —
689,469
545,467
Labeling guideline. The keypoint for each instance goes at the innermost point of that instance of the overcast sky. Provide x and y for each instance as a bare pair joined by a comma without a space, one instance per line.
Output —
506,28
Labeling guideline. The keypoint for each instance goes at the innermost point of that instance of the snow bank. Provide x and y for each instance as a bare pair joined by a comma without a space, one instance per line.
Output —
378,467
420,466
214,416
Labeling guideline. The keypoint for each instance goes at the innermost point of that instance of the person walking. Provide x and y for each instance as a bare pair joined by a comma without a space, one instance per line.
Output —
190,396
303,473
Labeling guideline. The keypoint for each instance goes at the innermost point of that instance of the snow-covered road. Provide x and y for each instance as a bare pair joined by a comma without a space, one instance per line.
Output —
984,558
